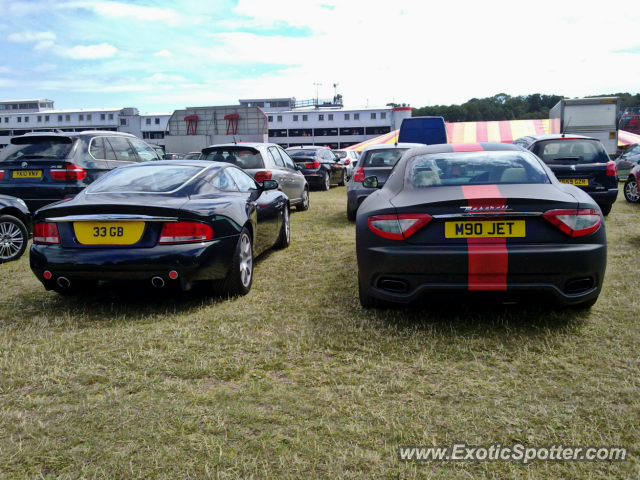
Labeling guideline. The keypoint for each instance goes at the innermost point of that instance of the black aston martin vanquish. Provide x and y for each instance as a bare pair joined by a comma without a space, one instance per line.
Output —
486,220
161,222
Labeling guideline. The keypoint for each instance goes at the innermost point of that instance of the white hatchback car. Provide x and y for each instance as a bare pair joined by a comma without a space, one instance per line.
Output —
348,158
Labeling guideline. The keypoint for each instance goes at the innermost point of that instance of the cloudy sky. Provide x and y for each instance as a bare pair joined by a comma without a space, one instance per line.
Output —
161,55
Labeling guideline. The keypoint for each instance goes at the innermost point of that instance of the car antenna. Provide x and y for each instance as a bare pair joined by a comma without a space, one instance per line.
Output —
564,132
234,140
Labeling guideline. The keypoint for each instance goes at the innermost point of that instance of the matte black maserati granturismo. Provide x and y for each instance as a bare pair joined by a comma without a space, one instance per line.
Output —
486,220
175,221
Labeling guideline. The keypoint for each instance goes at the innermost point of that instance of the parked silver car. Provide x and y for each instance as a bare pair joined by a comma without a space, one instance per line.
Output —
264,161
348,159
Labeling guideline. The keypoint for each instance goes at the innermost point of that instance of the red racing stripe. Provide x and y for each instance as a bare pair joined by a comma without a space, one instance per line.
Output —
488,257
467,147
505,132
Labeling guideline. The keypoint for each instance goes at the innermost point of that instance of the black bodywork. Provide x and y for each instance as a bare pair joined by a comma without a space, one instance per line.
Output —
329,165
428,266
96,153
227,211
601,186
15,208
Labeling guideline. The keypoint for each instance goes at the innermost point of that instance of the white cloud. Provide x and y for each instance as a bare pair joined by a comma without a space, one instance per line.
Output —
165,78
27,37
81,52
118,9
163,53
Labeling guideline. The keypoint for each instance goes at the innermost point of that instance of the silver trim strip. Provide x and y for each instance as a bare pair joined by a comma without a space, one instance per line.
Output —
489,214
111,218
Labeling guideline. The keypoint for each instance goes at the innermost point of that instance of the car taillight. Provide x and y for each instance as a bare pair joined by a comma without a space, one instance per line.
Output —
182,232
1,174
262,175
612,169
575,223
45,233
314,164
398,227
358,174
347,161
70,172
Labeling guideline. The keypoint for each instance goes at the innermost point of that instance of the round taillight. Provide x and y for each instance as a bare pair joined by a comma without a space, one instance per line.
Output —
47,275
173,274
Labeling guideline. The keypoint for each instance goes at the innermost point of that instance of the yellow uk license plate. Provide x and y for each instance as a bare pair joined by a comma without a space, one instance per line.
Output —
575,181
27,174
108,233
485,229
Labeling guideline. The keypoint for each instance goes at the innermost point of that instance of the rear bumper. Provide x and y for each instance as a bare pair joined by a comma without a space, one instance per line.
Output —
534,272
315,179
193,262
605,197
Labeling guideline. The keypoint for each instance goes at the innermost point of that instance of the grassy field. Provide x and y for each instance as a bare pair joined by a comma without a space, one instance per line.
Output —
296,381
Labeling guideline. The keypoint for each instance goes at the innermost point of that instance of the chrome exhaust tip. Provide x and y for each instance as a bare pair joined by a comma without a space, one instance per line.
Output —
64,282
157,282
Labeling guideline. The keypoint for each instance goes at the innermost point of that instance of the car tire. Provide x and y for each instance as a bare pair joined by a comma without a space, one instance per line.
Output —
326,185
13,238
240,275
631,194
606,209
304,206
284,238
343,182
367,301
351,214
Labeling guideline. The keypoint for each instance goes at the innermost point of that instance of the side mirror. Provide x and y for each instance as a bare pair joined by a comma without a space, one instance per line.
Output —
370,182
269,185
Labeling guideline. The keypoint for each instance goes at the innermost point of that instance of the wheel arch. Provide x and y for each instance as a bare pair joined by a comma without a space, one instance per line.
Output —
15,212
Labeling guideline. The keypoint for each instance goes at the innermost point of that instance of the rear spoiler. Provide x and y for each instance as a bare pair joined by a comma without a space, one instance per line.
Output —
29,139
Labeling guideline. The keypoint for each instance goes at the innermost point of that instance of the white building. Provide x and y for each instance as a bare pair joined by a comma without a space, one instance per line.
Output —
293,123
25,116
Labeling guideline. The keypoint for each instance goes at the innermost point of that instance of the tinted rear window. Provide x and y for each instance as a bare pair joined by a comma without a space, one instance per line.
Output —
574,151
473,168
45,147
382,157
302,153
341,154
244,158
146,179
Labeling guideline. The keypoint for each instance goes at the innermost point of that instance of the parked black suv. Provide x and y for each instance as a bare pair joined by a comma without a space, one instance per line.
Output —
319,165
42,168
580,161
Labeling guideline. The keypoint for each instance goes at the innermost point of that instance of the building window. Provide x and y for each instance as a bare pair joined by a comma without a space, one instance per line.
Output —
123,122
295,118
373,116
270,118
279,118
111,116
46,118
81,118
89,116
157,121
103,116
346,116
26,119
330,117
6,119
148,121
19,119
321,118
304,118
59,118
356,116
39,118
383,115
67,118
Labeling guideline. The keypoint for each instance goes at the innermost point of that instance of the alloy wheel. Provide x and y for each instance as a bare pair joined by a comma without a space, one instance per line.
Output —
287,228
305,198
631,191
327,181
11,240
246,261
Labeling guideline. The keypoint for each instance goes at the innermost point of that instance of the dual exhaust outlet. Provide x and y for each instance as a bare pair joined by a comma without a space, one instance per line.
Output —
156,281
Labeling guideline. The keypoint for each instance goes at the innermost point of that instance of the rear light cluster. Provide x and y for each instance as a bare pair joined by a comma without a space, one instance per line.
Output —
1,174
612,169
70,172
45,233
347,161
398,227
575,223
314,164
262,175
184,232
358,174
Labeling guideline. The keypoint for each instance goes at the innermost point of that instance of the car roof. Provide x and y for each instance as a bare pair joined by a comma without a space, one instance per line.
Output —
308,147
243,144
467,147
387,146
553,136
182,163
78,134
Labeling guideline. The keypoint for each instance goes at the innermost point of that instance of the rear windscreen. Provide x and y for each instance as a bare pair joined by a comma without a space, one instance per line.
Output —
381,158
571,151
302,153
341,154
145,179
244,158
47,147
474,168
